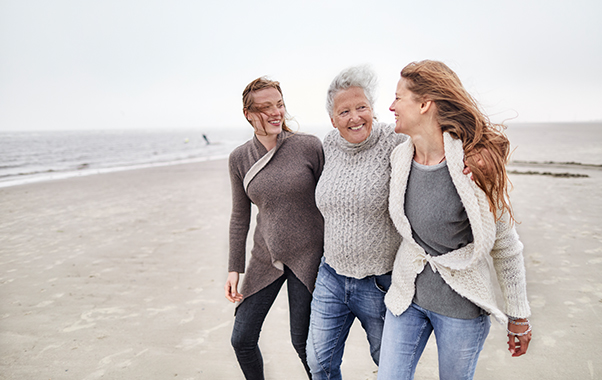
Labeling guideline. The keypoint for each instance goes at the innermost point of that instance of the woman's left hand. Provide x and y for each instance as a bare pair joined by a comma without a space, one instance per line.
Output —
518,345
477,160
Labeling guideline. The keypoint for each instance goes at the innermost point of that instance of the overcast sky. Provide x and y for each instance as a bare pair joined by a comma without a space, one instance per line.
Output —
183,64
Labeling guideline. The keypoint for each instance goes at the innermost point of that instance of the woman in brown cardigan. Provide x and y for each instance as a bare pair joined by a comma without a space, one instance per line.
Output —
277,170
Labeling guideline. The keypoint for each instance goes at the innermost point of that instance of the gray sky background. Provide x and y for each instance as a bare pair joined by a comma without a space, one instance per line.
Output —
183,64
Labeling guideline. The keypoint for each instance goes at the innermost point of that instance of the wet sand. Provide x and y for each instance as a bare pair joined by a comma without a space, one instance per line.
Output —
120,276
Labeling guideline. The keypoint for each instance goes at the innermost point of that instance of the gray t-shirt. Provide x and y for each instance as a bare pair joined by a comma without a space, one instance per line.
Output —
439,225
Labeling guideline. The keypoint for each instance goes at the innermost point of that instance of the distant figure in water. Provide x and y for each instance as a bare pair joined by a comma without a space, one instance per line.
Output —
206,139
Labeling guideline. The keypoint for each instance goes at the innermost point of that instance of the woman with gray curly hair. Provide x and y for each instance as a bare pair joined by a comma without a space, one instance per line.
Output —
360,239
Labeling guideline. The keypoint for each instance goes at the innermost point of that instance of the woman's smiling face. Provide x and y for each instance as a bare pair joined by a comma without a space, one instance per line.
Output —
352,115
268,112
406,108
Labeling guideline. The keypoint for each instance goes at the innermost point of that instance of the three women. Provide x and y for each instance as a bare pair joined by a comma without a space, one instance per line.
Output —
449,224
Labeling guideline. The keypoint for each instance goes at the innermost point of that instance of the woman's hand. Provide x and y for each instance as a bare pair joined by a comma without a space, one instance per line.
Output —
479,161
231,287
518,343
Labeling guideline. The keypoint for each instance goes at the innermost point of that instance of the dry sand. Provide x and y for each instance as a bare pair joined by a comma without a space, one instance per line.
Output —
120,276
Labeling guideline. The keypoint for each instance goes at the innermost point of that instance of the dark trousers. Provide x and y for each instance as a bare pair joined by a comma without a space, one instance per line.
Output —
251,313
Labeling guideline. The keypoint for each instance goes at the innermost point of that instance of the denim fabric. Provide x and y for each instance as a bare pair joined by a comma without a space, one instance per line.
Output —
337,301
251,314
459,343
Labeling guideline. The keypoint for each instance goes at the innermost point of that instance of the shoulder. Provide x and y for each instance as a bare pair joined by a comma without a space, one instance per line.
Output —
301,144
331,136
240,158
388,134
401,157
240,151
330,141
306,139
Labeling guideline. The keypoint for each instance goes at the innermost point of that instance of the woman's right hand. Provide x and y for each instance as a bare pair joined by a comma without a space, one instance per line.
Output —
231,287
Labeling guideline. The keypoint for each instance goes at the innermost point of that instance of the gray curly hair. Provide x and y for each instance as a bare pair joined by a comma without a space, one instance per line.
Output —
356,76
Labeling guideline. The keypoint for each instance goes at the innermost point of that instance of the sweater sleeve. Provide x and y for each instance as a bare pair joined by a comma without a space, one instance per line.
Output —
318,160
508,261
239,219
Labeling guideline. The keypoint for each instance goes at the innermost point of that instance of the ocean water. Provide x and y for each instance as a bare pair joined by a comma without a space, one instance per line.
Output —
38,156
579,143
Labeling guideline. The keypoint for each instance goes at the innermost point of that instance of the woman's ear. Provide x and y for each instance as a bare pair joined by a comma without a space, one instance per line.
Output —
425,106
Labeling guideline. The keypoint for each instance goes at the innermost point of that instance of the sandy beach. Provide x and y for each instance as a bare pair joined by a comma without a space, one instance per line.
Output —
120,276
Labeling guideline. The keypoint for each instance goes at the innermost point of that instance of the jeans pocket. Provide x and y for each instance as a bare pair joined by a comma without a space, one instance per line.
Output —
383,282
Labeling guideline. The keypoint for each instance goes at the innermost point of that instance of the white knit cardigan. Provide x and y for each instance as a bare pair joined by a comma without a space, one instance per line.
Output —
466,270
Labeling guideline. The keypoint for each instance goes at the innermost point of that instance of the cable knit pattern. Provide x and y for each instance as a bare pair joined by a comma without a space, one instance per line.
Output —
352,195
466,270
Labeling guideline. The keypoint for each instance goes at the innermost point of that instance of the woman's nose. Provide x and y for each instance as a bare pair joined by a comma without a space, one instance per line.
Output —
353,115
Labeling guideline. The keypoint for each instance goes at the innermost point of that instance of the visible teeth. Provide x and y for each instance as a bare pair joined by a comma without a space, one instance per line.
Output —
356,128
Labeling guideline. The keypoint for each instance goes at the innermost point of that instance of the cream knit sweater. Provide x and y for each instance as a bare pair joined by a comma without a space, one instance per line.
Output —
466,270
352,195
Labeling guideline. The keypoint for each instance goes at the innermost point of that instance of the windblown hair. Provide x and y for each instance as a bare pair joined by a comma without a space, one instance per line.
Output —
248,102
458,113
356,76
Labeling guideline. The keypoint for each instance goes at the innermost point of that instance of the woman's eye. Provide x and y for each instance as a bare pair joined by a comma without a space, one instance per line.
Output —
344,113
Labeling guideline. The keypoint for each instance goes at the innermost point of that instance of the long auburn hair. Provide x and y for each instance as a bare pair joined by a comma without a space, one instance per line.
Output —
458,113
248,102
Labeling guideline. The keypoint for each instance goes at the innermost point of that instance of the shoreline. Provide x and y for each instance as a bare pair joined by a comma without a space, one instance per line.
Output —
27,178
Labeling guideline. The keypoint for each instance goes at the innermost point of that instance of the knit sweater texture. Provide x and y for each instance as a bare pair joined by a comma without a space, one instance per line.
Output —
352,194
289,227
466,270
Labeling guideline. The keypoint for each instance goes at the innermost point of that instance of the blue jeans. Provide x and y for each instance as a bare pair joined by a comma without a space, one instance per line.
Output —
459,343
251,313
337,301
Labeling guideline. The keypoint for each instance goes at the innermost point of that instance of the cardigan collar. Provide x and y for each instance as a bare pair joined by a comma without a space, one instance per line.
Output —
279,140
473,198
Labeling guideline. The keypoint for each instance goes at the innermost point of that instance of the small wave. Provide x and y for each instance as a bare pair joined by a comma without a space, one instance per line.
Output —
25,178
14,175
543,163
559,175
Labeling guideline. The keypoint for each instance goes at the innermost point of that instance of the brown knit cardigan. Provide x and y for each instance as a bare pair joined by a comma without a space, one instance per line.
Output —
290,228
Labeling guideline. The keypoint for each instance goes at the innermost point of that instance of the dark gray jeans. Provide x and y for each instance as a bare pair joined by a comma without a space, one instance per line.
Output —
251,313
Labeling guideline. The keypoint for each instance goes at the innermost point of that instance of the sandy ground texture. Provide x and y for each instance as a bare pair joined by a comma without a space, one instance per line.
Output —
120,276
